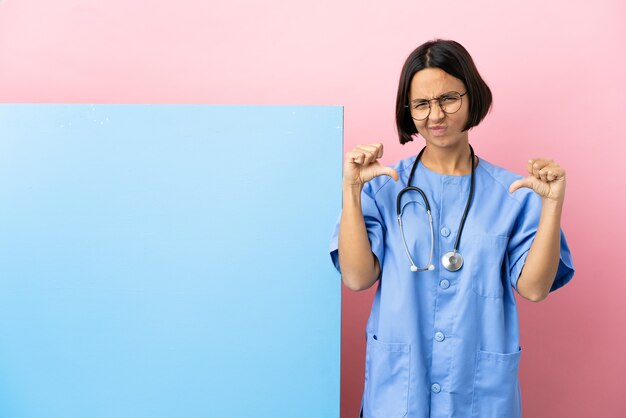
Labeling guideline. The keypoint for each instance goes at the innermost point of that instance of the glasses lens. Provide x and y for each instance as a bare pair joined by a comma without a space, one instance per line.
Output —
451,102
420,110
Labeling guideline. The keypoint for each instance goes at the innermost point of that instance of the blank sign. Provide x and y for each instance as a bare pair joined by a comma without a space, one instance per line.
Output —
169,261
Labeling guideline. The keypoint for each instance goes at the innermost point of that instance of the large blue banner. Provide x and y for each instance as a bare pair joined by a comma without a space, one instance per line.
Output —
169,261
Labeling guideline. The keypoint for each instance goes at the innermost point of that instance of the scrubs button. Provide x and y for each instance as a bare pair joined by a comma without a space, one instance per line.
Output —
445,231
444,284
435,388
439,336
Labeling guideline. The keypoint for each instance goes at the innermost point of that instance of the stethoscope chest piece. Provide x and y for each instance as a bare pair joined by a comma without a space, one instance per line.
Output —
452,261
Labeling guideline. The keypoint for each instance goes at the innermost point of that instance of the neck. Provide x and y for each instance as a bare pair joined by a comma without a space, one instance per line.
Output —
454,161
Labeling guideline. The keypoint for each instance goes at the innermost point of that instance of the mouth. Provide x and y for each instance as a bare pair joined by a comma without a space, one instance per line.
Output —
438,130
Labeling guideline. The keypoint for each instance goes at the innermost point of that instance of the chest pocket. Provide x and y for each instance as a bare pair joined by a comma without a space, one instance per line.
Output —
488,265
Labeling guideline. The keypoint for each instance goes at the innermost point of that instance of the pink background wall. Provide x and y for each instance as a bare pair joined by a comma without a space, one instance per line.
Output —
556,69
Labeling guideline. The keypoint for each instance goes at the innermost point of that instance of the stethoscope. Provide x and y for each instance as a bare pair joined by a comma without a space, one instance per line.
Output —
452,260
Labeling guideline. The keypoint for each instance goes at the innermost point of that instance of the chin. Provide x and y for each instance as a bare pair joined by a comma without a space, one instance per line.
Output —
444,141
440,142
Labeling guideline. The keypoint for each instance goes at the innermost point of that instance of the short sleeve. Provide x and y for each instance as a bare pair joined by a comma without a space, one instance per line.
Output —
522,237
373,223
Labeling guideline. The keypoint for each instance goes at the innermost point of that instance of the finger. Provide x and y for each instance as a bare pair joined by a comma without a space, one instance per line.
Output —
356,157
360,157
533,164
391,173
557,174
554,172
370,153
557,170
367,147
371,150
543,174
533,167
370,157
542,161
518,184
378,147
538,164
534,170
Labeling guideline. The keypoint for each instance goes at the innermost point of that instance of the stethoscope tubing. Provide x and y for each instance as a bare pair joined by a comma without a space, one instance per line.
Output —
400,209
429,265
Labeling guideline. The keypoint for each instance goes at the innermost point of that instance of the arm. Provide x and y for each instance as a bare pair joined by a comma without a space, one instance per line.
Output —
542,261
359,266
548,180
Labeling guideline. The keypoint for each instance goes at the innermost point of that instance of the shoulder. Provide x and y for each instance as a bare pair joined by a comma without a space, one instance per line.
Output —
501,178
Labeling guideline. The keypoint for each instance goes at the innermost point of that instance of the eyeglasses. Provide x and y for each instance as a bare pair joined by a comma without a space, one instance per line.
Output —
449,102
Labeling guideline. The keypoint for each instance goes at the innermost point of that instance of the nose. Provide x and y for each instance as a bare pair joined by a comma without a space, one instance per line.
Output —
436,113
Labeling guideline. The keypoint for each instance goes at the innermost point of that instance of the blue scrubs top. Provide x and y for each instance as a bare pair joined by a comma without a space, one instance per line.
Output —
441,343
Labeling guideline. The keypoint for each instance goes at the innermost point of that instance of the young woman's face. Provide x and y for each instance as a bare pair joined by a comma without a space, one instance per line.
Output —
430,83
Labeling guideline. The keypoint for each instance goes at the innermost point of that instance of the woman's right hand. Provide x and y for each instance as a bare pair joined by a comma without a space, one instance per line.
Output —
360,165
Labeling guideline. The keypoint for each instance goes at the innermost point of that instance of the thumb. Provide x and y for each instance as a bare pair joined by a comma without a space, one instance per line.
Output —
518,184
391,173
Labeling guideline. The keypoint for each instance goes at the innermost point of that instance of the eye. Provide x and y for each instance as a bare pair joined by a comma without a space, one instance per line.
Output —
420,105
449,99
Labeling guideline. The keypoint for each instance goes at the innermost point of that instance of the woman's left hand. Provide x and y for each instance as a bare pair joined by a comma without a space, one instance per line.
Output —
546,178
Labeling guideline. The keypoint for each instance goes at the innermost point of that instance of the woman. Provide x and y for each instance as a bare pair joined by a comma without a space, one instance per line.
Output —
442,336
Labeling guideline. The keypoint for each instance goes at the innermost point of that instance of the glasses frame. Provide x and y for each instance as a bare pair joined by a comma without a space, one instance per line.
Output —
430,108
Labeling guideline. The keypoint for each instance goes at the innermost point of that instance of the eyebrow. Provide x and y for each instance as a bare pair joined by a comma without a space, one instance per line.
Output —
425,100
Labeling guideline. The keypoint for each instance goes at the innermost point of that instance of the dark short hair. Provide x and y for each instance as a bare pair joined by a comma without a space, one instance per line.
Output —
453,58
